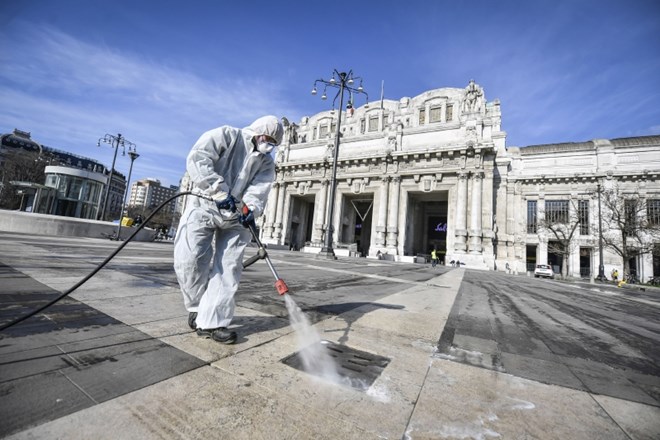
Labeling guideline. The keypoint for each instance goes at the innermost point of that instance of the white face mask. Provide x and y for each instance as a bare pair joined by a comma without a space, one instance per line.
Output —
265,147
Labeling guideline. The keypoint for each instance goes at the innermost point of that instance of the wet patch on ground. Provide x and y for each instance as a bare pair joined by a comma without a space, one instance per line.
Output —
356,368
555,334
74,355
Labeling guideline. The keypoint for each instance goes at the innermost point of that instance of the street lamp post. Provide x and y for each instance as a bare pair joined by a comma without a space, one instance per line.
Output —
601,265
133,155
115,142
343,81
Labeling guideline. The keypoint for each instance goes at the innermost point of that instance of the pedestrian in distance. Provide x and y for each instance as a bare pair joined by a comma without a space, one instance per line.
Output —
615,275
434,258
227,166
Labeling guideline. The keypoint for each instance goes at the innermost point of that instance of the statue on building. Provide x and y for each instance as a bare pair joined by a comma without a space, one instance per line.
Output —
281,154
290,131
391,143
473,98
292,134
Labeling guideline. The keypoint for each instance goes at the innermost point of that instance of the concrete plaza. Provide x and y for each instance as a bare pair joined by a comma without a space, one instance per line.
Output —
117,360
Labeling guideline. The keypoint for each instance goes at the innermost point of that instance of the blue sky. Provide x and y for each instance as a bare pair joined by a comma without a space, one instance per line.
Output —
162,72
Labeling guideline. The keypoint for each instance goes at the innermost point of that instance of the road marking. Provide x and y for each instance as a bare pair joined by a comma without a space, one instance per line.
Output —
367,275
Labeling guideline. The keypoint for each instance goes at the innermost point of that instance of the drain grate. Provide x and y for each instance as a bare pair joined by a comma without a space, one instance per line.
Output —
356,368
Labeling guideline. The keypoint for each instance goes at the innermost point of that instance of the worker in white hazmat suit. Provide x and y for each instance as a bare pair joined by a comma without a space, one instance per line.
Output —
227,166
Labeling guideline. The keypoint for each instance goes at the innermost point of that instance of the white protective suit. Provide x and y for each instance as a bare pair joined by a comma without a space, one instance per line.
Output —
222,162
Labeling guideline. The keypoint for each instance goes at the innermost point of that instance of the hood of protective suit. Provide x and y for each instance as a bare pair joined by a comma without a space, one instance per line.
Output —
269,126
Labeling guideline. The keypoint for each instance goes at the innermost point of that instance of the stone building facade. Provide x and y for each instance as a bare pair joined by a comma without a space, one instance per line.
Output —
434,171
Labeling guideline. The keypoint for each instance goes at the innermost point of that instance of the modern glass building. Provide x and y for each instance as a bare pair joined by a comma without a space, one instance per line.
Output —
79,192
74,185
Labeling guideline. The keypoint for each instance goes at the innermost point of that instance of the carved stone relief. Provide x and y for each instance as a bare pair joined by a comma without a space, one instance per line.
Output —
303,187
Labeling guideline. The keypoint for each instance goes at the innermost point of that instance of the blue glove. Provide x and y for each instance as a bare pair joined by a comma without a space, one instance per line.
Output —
228,203
246,218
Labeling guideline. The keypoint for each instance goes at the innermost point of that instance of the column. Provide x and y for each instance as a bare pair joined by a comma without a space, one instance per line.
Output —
488,215
393,216
511,209
277,234
320,213
338,215
520,229
475,214
381,226
460,230
269,227
542,251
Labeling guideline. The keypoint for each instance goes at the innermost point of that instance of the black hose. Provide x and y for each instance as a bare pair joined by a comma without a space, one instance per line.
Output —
99,267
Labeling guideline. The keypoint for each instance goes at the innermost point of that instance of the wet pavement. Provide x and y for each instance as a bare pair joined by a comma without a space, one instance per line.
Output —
594,338
459,353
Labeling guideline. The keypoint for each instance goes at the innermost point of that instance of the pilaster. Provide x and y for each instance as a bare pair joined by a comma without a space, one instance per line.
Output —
381,227
320,208
475,214
393,215
460,232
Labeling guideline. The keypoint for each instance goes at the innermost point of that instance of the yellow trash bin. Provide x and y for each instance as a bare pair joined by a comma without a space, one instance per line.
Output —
126,221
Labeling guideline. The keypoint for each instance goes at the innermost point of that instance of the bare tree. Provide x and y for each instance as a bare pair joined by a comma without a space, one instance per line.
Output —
628,229
19,165
163,220
562,223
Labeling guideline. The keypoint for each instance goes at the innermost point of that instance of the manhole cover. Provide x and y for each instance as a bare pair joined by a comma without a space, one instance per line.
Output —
356,368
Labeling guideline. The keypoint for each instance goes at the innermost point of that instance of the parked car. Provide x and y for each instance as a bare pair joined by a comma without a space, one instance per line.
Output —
543,270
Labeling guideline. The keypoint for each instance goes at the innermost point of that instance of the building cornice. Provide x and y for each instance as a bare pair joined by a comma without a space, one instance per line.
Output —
587,177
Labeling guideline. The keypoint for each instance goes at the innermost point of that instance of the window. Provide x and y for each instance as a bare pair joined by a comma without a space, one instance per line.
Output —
86,190
630,214
556,211
373,123
362,126
74,189
531,216
323,131
63,185
422,116
95,193
450,113
653,212
583,216
314,134
435,114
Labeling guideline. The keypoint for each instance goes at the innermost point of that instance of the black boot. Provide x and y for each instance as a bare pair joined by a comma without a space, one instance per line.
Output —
220,334
192,320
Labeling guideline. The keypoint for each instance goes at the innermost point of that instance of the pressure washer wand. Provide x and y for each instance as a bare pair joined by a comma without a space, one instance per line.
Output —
262,254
